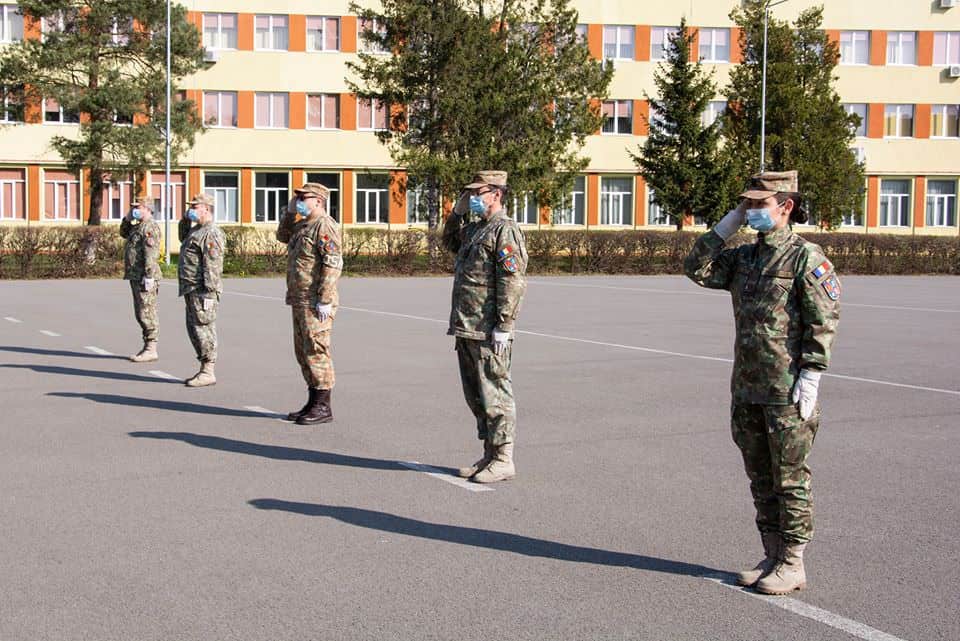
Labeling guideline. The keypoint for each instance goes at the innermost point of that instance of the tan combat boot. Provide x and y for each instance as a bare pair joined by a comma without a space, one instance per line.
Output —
788,575
500,467
147,354
467,472
771,550
202,378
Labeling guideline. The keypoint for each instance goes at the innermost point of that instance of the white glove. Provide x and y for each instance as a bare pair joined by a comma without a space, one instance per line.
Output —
805,391
324,311
500,342
148,284
730,223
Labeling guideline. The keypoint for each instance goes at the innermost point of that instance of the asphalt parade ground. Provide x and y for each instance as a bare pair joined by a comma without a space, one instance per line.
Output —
132,507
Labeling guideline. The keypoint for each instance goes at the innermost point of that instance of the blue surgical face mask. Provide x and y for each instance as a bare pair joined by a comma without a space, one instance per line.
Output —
135,214
759,219
302,208
477,206
192,215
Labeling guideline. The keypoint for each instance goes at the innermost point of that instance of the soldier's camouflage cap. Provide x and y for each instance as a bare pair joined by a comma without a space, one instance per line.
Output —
488,177
202,198
313,189
771,183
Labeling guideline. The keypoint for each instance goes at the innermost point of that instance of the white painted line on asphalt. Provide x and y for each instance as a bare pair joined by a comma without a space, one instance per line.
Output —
12,319
49,333
264,411
648,350
161,374
98,350
855,628
445,477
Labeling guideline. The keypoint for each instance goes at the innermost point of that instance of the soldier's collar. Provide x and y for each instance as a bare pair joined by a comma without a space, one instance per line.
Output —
777,237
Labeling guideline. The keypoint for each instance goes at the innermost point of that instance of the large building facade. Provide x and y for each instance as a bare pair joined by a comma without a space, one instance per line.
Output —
278,113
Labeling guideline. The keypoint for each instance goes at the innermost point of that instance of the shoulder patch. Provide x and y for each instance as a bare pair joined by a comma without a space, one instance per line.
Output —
330,245
822,269
831,285
505,253
510,264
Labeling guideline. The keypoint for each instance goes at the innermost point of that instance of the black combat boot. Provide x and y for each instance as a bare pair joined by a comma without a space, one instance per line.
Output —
312,393
319,411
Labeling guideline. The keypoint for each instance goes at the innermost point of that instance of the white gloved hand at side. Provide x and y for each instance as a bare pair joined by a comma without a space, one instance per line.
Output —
500,341
324,311
148,284
805,391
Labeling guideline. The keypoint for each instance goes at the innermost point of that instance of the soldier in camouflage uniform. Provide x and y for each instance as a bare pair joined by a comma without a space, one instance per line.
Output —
786,307
314,263
200,270
141,266
488,286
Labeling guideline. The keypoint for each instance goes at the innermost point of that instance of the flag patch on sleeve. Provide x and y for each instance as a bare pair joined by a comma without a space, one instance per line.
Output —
831,285
506,251
822,269
510,264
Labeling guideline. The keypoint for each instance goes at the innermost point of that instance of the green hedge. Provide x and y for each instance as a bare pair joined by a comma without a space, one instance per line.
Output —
70,252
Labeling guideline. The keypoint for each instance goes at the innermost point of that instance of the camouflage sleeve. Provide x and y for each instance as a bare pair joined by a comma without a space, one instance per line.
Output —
287,220
452,229
125,226
331,253
819,308
511,274
183,228
710,265
214,246
151,250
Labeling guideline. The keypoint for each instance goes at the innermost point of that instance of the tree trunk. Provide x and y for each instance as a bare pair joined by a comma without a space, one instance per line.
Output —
88,247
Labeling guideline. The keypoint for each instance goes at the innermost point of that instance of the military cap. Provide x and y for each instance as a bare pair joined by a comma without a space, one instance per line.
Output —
771,183
488,177
313,189
202,198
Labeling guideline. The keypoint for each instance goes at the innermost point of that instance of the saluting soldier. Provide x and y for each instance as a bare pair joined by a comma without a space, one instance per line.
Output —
200,271
141,266
786,306
488,287
314,263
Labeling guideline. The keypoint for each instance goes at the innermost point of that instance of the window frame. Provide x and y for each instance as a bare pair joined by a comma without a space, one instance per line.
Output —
521,204
6,11
853,43
279,196
667,33
62,113
615,118
886,199
849,108
323,112
943,133
949,210
220,30
272,115
56,193
609,198
220,213
373,117
367,46
382,216
568,204
11,184
898,47
220,95
619,43
271,31
952,42
899,120
713,31
323,33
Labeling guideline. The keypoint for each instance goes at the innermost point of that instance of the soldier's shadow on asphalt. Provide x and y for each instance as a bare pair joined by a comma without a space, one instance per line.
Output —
279,453
490,539
59,352
159,404
90,373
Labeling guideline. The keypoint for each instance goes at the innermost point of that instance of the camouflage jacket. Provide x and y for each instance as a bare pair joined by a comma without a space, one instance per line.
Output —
786,307
200,267
141,253
489,274
314,260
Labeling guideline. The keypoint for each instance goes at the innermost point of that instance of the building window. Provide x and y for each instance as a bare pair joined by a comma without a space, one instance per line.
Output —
11,23
946,48
323,111
375,29
618,41
713,112
660,40
945,121
12,194
271,193
178,188
581,31
526,209
715,45
121,31
271,33
894,203
851,219
117,196
11,104
61,20
220,108
942,203
417,211
854,47
224,187
902,48
323,33
371,115
572,207
657,215
616,200
53,112
373,193
618,117
61,191
220,30
332,182
898,121
859,109
271,110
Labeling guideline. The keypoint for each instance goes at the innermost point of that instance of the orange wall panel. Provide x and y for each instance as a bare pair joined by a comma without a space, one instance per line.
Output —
194,183
348,111
32,110
245,109
875,120
246,196
736,50
694,43
398,198
642,43
346,197
298,32
196,19
33,192
873,200
878,48
31,29
919,201
593,200
595,40
925,48
834,36
921,120
641,112
245,31
298,110
298,178
348,34
640,202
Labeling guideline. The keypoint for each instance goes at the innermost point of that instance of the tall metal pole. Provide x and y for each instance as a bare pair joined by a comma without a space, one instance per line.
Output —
165,198
763,93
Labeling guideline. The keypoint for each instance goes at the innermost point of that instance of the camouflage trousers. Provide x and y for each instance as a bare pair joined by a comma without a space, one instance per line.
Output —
145,309
775,443
202,324
311,343
488,390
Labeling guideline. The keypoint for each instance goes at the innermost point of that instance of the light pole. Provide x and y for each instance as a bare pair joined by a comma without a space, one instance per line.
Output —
165,196
763,87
